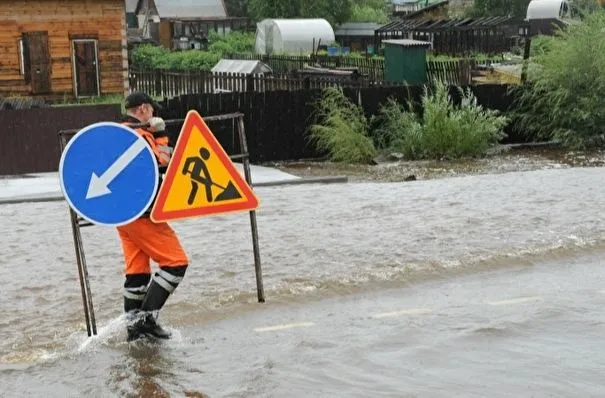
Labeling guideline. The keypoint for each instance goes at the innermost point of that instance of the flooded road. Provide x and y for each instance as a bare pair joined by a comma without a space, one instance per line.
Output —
486,285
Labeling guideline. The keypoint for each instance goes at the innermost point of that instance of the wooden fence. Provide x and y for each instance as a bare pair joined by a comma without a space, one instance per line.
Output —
171,83
30,141
276,122
373,68
450,72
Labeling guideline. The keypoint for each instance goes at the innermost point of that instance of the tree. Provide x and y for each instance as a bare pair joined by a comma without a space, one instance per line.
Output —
334,11
370,11
261,9
488,8
237,8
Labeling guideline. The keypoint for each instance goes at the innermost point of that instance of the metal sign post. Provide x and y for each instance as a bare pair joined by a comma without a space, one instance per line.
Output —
77,222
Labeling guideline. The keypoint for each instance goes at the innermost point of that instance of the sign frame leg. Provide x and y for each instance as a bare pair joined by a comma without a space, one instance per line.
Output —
89,315
254,229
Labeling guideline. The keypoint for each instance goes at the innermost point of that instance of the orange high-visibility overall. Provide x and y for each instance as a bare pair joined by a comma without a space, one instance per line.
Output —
143,239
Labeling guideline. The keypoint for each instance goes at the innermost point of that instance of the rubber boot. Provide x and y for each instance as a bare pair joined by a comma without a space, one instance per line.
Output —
135,288
133,319
154,300
132,308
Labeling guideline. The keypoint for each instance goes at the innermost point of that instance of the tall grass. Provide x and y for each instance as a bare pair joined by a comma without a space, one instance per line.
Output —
564,99
340,129
442,130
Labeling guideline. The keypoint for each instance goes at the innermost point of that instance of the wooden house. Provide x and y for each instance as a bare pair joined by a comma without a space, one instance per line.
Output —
184,24
57,48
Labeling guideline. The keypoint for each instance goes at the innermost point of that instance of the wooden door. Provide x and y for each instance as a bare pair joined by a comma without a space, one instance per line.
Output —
86,71
35,45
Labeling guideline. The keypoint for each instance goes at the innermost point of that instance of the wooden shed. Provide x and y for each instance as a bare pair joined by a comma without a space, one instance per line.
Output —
57,48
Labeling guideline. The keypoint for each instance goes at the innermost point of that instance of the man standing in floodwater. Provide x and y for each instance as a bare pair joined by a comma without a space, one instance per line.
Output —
143,239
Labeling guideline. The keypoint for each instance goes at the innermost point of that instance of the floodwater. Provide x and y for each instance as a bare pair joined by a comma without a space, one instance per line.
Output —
487,285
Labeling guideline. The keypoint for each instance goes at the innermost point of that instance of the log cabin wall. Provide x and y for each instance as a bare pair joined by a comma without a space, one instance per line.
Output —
56,48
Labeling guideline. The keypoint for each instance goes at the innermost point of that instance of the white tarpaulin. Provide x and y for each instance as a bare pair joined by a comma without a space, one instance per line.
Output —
292,36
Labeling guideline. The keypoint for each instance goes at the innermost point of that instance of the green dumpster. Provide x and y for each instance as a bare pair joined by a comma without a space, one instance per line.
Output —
405,61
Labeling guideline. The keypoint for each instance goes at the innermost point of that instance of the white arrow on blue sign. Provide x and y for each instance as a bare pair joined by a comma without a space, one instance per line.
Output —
108,174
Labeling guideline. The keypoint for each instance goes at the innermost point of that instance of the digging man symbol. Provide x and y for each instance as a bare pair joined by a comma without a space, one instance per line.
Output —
200,174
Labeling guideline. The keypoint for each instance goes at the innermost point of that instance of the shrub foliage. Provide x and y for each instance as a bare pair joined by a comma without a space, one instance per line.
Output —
341,129
442,130
155,57
563,99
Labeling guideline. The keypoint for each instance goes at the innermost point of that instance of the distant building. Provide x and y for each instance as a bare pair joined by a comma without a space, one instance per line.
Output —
358,36
183,24
403,8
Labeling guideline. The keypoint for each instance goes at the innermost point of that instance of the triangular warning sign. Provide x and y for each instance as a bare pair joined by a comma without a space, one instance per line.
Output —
200,179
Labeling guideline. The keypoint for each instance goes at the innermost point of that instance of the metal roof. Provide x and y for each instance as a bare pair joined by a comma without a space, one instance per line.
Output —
189,9
356,29
408,43
444,24
241,66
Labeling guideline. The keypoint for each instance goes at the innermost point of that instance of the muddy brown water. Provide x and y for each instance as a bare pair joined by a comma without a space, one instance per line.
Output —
487,285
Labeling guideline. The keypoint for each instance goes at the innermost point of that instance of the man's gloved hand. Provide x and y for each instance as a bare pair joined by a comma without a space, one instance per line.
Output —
156,124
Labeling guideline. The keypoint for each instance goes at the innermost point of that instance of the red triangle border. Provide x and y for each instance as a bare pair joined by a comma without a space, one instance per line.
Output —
193,119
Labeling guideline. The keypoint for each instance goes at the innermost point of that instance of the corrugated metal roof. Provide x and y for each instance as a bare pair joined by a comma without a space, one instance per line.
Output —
241,66
445,24
408,43
356,29
188,9
131,5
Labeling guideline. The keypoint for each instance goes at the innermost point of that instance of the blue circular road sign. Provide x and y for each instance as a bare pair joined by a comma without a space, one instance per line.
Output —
108,174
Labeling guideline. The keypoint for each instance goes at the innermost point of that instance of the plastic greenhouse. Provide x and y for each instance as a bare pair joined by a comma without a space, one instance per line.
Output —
548,9
292,36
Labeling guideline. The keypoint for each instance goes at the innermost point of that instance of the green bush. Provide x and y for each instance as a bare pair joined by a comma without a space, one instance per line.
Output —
443,130
369,13
341,129
154,57
564,99
232,43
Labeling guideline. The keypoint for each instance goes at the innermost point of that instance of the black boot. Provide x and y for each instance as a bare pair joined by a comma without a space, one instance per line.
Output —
160,288
147,325
133,320
135,288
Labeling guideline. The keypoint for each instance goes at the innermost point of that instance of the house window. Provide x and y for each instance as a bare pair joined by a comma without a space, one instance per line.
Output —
178,29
